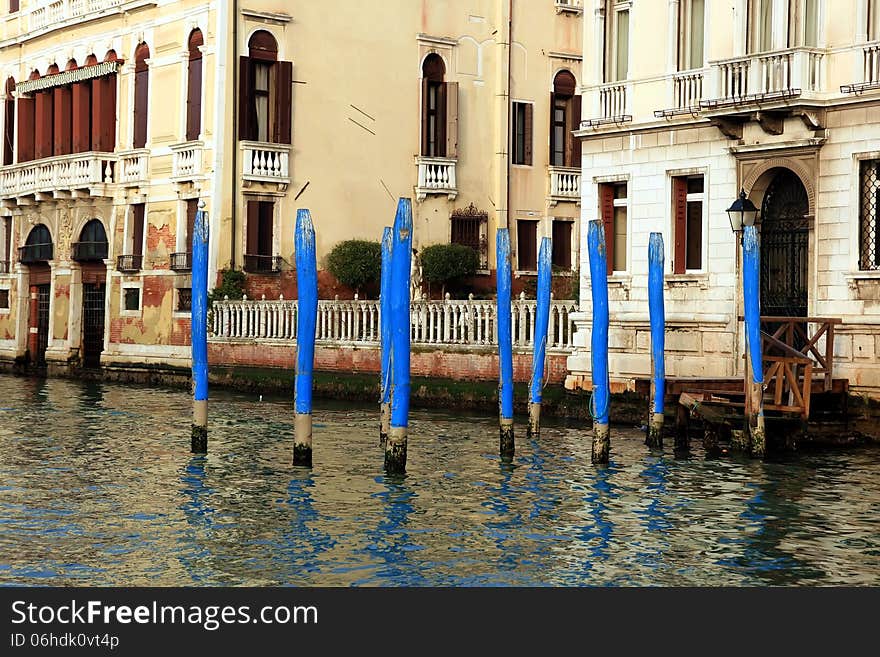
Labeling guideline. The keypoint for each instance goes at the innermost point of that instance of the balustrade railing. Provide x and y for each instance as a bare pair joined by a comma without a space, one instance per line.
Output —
64,172
442,323
46,14
612,100
687,90
436,176
265,162
565,183
186,160
792,71
871,55
133,167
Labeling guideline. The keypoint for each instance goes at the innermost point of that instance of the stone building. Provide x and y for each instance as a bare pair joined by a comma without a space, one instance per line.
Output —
685,103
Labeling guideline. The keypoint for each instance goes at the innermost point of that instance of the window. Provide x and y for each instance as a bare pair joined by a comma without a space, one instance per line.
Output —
194,86
131,299
527,244
136,229
561,256
565,116
9,121
759,29
192,207
690,34
439,123
141,95
803,23
869,215
617,39
687,228
613,208
265,92
522,133
470,227
13,6
4,299
45,121
260,224
184,299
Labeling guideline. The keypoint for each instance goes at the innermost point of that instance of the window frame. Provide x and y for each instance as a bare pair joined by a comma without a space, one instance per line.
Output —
526,109
131,285
861,242
613,10
520,269
686,34
570,250
7,288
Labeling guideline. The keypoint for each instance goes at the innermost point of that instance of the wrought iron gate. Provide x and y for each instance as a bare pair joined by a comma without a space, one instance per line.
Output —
43,292
93,323
785,234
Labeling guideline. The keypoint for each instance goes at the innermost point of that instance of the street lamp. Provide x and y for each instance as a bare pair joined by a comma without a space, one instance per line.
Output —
742,213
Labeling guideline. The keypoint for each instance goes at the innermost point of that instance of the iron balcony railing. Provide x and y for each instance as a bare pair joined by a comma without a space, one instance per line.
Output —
35,253
129,263
181,261
262,264
89,251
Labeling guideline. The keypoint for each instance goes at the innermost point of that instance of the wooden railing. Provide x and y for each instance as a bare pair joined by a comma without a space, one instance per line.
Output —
788,376
796,333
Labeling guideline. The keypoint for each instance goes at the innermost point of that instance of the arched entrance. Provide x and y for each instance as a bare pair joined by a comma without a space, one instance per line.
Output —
785,233
36,254
90,252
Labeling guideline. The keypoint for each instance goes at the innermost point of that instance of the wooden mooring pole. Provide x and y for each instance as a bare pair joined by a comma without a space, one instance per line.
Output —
401,261
505,344
752,312
306,320
385,331
539,350
199,331
658,328
600,399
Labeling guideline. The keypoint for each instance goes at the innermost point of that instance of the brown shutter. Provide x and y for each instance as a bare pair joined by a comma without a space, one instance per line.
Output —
253,227
137,229
266,228
679,230
62,121
141,105
81,112
606,210
441,120
26,129
13,6
192,206
451,119
9,125
246,107
424,98
283,101
573,144
552,131
104,114
194,99
43,139
528,108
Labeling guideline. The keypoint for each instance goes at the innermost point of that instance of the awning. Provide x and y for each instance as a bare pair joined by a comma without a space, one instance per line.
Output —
67,77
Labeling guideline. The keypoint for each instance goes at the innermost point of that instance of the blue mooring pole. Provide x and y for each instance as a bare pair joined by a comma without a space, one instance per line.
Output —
385,331
542,321
658,340
306,319
401,261
505,343
752,308
199,331
600,400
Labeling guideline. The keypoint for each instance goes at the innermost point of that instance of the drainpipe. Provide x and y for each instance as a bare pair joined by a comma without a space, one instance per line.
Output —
509,104
234,167
215,217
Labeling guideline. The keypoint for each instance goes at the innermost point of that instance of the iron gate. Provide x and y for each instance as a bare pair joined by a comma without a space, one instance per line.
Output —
93,323
785,233
43,292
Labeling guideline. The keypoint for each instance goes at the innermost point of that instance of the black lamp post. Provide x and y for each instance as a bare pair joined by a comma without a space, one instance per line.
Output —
742,213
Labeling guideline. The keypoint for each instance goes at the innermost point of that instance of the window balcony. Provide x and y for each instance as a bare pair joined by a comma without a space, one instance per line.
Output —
610,104
133,167
181,261
436,176
687,94
129,263
870,71
263,162
186,161
89,251
569,6
33,253
262,264
48,15
565,184
63,176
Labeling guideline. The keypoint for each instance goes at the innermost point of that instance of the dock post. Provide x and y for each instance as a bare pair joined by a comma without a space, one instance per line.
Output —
752,307
658,328
401,261
600,400
385,331
306,320
505,344
199,331
539,350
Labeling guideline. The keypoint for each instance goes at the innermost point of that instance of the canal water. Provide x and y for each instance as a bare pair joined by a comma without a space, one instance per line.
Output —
97,487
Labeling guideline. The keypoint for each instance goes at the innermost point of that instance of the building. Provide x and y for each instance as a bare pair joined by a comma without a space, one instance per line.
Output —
121,116
685,103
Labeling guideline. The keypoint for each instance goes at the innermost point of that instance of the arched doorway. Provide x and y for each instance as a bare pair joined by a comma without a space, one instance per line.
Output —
36,254
785,234
90,252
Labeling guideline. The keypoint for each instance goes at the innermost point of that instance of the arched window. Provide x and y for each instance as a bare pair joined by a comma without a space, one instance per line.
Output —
194,86
141,95
433,107
265,92
9,125
26,119
38,246
565,116
92,243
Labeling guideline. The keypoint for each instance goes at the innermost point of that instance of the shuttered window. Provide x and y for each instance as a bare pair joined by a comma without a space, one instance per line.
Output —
13,6
613,210
6,244
265,97
9,125
260,227
194,86
562,230
565,116
527,244
136,235
439,121
192,206
44,124
26,120
522,133
687,202
141,95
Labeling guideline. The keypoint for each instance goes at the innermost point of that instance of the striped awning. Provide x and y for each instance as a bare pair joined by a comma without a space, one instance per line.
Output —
67,77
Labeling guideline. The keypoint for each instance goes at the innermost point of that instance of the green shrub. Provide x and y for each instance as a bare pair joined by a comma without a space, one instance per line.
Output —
448,263
231,285
356,263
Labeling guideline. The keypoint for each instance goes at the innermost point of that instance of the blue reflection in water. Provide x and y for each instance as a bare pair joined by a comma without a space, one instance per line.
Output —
199,514
303,543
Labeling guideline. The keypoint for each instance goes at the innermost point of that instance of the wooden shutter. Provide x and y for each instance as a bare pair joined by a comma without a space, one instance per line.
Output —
441,120
25,129
606,209
141,105
562,244
246,107
424,98
283,101
264,247
137,229
62,142
194,99
13,6
679,227
9,125
43,139
253,227
526,244
573,122
81,112
528,109
192,206
451,119
552,131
